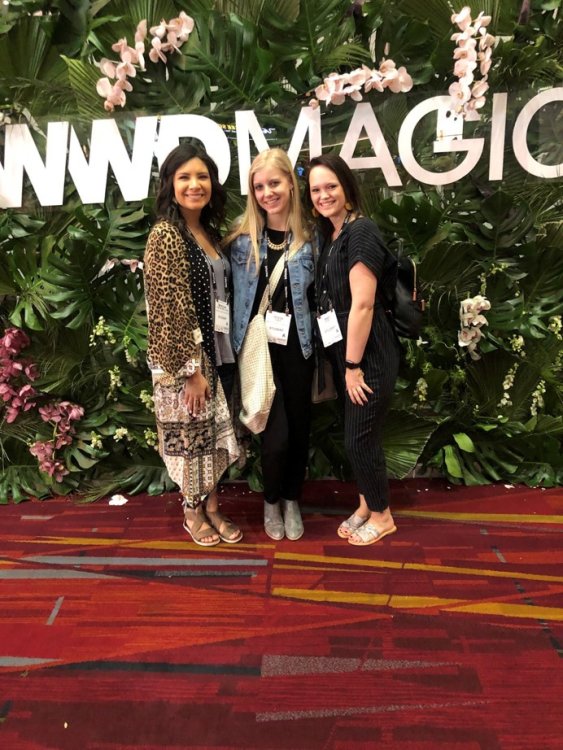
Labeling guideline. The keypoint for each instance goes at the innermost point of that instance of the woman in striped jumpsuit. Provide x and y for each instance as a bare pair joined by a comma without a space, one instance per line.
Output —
355,274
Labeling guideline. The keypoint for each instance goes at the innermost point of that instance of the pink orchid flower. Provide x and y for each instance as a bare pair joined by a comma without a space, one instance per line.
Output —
156,53
464,68
373,80
467,52
479,89
104,87
14,340
62,440
10,369
125,69
314,103
160,30
482,20
141,31
181,26
140,54
387,66
73,411
107,67
487,40
42,450
330,91
50,413
120,46
402,82
7,393
463,18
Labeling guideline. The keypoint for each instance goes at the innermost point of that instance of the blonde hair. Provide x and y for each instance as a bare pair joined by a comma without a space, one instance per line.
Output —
253,220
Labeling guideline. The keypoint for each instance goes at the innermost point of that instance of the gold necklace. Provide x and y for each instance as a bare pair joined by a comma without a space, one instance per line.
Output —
276,246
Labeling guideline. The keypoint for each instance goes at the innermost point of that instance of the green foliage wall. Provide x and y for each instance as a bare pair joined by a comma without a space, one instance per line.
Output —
68,275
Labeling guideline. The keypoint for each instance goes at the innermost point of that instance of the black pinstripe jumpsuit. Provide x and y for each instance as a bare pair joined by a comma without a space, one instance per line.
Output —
360,241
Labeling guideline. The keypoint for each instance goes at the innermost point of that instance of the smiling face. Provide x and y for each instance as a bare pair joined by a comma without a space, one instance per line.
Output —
327,194
272,190
192,186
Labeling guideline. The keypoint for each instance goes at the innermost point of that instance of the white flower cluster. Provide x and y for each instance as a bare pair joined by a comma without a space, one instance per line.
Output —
167,37
114,381
471,321
507,384
147,399
517,344
337,86
96,441
537,398
421,390
474,48
556,326
120,434
151,438
103,331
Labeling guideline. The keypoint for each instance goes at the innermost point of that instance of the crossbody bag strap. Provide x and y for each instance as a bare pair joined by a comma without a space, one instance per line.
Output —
274,280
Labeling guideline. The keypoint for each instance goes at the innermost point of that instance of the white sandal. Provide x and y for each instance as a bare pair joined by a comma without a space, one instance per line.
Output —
350,526
368,534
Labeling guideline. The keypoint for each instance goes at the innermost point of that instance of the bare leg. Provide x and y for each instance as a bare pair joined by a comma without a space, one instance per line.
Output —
191,514
226,528
382,521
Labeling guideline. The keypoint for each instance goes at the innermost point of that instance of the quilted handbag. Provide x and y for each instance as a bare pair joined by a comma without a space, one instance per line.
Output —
257,387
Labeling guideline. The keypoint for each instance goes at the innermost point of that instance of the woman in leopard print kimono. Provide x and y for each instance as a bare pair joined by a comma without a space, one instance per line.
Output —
189,350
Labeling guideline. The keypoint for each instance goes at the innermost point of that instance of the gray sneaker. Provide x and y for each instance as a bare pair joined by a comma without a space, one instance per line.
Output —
273,521
292,520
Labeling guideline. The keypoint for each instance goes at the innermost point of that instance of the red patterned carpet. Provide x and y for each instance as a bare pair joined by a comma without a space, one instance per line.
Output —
117,632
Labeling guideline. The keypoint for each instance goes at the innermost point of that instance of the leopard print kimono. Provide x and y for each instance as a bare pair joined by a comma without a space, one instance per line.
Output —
196,449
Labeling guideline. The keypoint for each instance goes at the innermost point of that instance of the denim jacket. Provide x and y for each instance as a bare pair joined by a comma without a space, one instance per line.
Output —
245,282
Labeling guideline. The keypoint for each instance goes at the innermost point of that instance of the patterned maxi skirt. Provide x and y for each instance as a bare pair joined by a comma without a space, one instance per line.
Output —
197,450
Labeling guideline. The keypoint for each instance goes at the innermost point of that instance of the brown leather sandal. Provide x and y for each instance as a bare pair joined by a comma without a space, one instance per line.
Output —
200,528
224,527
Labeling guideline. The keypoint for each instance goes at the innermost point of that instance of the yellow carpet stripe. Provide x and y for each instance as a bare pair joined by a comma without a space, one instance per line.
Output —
481,517
140,544
501,609
485,572
510,610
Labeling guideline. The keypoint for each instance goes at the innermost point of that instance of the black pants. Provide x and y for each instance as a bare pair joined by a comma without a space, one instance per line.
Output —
285,441
363,425
227,374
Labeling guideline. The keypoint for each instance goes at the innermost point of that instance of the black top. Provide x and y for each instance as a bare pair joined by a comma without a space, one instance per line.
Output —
359,242
273,256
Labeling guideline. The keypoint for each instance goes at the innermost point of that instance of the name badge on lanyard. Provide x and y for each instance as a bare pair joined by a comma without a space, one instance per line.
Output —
222,316
277,327
329,328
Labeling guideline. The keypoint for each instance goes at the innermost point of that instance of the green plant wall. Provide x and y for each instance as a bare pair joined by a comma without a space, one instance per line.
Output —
69,277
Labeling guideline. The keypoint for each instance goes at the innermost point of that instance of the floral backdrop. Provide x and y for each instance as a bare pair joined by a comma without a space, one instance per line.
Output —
479,398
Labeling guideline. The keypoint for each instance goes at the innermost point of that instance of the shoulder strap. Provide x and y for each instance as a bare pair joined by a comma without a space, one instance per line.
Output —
274,280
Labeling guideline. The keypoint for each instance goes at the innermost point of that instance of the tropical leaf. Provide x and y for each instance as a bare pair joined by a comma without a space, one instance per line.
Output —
405,437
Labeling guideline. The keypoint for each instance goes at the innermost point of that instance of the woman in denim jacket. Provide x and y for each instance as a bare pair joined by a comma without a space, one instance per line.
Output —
271,228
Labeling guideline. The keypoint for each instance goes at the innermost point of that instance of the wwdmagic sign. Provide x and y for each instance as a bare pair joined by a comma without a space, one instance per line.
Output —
153,136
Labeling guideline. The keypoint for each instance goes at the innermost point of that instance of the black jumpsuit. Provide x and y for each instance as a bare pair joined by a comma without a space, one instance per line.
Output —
360,241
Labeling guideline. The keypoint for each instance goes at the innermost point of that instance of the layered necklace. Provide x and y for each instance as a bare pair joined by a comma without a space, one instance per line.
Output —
276,245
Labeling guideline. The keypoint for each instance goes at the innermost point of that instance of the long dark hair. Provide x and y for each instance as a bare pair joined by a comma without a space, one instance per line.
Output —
212,215
345,177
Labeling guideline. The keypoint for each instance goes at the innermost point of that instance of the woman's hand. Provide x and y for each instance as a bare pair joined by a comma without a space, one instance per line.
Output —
196,393
356,387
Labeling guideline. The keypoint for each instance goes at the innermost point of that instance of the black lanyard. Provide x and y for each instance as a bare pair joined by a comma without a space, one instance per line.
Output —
324,276
285,275
214,278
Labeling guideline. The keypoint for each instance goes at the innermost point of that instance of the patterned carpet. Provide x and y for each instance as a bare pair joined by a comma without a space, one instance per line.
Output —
117,632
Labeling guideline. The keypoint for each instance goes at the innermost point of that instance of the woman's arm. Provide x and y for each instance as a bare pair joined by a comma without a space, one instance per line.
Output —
363,286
